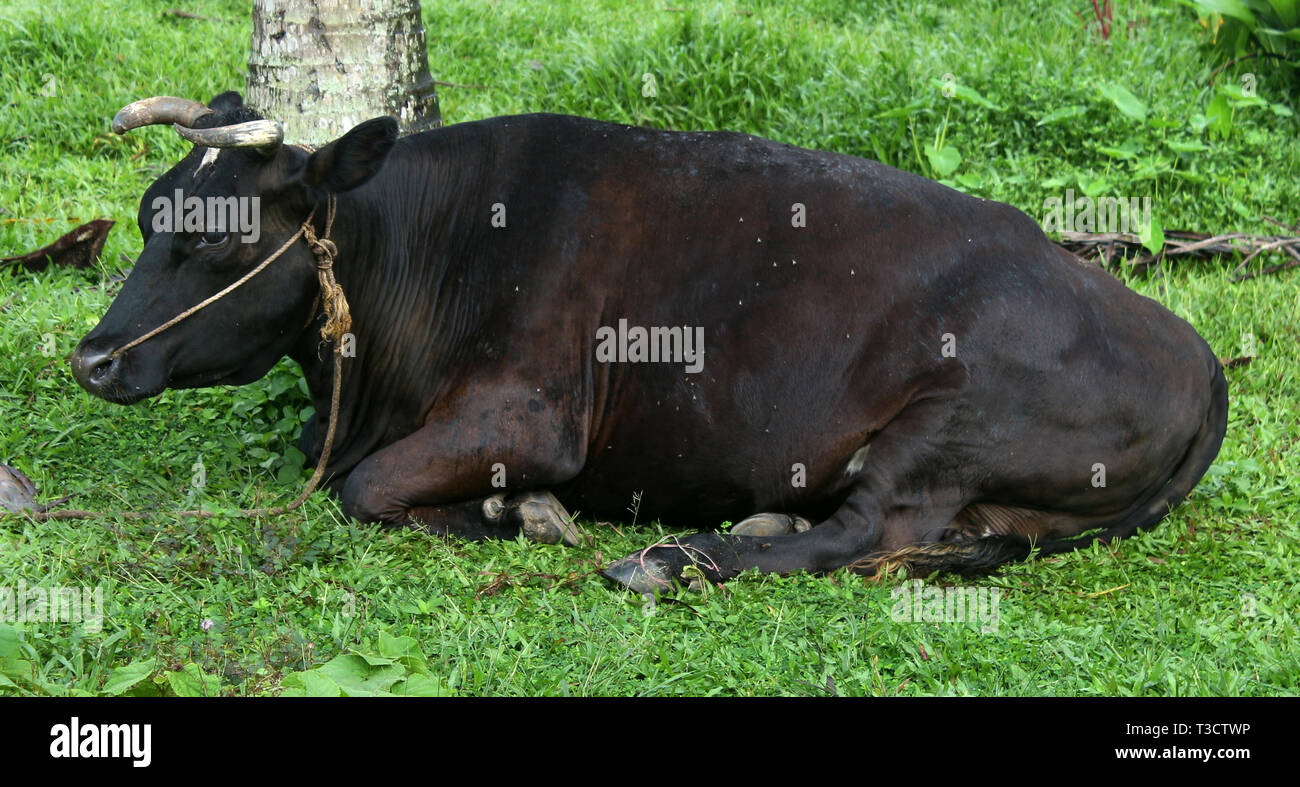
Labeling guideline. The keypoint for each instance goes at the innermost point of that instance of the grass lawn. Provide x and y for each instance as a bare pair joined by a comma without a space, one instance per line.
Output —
1205,604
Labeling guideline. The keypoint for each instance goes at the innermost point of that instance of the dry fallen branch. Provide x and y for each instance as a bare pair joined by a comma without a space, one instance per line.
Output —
1240,360
79,248
176,12
1108,247
504,579
1215,73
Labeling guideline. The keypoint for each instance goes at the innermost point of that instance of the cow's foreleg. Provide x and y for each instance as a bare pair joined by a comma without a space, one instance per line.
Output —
465,520
478,468
538,515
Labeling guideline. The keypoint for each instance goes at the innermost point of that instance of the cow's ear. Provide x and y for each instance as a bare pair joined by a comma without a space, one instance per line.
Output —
224,102
350,160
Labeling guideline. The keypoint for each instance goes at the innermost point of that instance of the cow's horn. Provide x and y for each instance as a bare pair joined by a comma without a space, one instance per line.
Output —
263,134
159,109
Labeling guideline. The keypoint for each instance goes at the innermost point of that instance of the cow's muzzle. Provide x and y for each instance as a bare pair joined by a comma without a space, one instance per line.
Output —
95,370
108,374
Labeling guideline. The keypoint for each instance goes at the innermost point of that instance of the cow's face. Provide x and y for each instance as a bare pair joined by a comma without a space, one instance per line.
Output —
264,191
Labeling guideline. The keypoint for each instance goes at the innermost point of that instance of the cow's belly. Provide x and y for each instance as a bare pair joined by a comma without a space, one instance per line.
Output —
1108,378
722,445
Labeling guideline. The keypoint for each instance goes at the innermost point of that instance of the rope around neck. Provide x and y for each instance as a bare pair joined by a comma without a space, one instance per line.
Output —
338,321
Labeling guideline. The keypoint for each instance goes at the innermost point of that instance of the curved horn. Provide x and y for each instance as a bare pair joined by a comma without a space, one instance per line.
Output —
159,109
265,135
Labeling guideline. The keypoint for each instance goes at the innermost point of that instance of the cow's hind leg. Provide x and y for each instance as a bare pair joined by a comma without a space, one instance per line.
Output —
906,492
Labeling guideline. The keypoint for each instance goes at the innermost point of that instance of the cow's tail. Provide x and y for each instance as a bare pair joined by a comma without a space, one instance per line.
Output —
982,555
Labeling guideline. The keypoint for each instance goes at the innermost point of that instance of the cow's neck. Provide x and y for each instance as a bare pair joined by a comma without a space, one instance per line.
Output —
409,313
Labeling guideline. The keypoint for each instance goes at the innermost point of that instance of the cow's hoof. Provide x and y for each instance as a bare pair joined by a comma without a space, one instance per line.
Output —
542,518
494,507
768,525
17,492
641,572
703,557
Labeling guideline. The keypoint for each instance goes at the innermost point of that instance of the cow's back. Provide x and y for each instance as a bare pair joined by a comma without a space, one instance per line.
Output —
830,290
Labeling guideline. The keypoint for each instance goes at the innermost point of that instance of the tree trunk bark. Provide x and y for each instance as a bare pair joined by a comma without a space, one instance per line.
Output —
322,66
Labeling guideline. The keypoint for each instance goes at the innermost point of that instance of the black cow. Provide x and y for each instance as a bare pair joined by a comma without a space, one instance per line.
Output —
920,373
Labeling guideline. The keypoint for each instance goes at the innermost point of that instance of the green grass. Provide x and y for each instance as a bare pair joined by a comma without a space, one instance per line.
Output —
1203,605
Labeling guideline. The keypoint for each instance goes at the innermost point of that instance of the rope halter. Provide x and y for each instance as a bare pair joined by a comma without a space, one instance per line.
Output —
338,318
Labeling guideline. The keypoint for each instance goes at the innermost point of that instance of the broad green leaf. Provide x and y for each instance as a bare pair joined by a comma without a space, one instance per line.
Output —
1238,96
1119,153
1094,187
16,668
965,94
288,473
1287,10
945,160
1191,177
8,641
310,683
318,685
146,688
1152,236
1128,103
1233,8
397,647
1064,113
1220,116
192,682
1186,146
375,661
1232,90
421,686
405,650
1164,122
356,678
900,112
127,676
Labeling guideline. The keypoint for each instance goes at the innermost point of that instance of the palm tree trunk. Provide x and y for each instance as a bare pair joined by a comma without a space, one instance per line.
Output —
322,66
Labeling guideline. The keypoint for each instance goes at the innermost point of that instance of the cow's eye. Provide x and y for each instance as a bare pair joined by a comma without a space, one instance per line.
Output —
212,240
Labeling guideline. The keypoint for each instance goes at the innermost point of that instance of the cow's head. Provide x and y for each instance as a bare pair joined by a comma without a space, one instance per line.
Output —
274,187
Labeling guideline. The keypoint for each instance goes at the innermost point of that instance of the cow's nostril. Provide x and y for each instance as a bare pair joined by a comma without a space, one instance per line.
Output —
93,369
100,370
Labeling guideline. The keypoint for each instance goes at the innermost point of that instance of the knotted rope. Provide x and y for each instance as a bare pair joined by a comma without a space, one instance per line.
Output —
338,321
338,318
